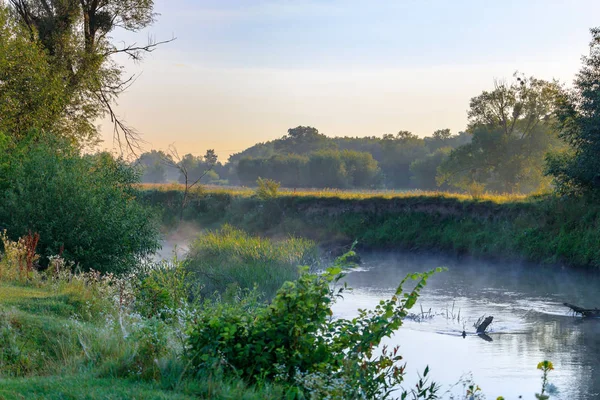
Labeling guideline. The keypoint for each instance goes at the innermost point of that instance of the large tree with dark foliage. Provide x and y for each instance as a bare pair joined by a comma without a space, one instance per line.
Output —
512,128
76,36
577,170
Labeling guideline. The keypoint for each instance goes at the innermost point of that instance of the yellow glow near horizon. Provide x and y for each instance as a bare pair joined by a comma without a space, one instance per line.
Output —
244,71
231,109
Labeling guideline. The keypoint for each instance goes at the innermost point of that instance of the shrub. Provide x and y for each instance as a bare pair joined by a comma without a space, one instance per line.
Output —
294,340
84,207
162,289
230,256
142,349
267,188
19,257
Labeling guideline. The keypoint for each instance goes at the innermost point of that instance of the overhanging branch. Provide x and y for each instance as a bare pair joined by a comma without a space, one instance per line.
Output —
135,52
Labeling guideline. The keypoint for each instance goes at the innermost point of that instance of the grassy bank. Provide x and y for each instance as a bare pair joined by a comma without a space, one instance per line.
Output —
544,229
85,335
62,340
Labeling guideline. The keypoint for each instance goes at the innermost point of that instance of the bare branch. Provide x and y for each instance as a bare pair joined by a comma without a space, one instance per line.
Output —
122,86
135,52
122,131
173,159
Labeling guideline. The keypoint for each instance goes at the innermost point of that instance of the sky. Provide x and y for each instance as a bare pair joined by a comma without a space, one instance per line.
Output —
244,71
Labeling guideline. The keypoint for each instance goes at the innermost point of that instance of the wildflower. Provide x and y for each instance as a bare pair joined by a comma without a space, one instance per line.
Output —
545,366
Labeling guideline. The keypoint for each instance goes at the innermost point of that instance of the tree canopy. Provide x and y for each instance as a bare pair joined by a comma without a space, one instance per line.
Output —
77,50
307,158
512,128
577,169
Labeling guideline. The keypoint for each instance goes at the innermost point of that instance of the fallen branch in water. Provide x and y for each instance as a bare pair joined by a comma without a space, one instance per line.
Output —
481,327
585,312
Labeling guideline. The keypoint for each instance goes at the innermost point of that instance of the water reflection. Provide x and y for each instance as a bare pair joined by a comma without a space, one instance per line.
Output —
530,322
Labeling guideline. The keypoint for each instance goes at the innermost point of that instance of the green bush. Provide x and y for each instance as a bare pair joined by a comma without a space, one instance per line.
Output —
230,256
266,188
84,207
295,342
162,289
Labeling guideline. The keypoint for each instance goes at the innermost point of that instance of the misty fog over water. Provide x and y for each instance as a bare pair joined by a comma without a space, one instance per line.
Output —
530,323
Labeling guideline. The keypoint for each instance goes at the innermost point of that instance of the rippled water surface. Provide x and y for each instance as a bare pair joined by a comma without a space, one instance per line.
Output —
530,323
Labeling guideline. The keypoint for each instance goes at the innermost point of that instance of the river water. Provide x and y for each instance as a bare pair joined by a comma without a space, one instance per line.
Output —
530,323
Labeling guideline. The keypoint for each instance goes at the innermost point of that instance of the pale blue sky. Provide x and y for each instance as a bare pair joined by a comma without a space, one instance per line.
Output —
244,71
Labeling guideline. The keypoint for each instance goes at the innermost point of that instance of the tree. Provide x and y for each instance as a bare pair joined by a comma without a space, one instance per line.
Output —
302,140
76,36
398,152
444,138
405,135
153,167
189,175
84,207
362,170
424,170
326,169
303,133
577,169
512,128
442,134
31,95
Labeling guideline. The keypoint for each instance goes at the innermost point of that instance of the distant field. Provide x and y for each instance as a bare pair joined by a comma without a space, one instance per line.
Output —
344,194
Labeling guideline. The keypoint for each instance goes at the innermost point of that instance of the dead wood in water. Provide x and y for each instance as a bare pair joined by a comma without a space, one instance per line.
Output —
585,312
483,326
485,337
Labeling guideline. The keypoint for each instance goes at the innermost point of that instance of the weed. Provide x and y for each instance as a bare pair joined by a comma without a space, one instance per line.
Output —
230,256
267,189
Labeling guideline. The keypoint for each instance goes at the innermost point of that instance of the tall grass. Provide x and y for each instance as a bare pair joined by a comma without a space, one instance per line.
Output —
359,194
229,256
83,335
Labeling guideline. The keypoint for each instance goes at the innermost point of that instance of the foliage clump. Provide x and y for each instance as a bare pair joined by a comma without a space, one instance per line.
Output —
295,341
267,189
83,207
229,256
577,169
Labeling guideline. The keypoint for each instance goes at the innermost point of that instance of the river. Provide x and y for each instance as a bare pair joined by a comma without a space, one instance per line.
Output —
530,323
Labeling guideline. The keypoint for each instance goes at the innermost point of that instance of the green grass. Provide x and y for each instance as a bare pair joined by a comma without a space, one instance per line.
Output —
337,193
229,256
545,229
41,353
82,387
89,387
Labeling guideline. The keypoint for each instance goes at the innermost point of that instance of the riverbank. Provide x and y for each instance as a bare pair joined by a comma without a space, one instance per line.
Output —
543,229
64,339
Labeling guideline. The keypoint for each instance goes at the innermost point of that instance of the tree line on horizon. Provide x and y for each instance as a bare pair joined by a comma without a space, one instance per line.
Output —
306,158
526,135
512,130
